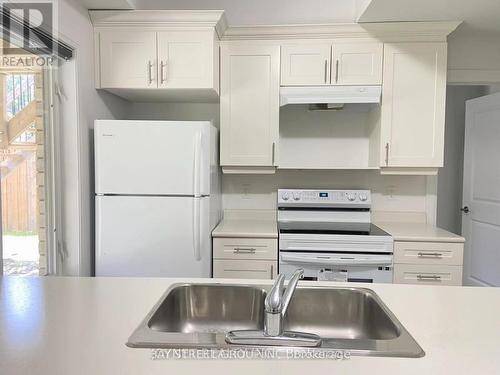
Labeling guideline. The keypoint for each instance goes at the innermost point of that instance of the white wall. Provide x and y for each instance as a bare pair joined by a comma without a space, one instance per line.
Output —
474,58
450,178
80,107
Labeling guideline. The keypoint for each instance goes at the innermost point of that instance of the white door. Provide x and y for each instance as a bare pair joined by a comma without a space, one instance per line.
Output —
413,105
249,103
152,157
305,64
185,59
357,63
481,224
152,236
127,59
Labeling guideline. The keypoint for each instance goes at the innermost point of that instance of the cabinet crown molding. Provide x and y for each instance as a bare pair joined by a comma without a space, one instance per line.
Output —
160,18
383,31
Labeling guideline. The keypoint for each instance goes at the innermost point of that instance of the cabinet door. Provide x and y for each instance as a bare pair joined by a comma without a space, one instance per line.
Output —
185,59
127,59
244,269
413,105
357,64
305,64
249,103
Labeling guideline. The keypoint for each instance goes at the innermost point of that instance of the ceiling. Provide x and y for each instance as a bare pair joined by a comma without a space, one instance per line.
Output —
256,12
479,16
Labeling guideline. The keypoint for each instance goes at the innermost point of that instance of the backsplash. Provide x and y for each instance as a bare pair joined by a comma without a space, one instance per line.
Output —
389,193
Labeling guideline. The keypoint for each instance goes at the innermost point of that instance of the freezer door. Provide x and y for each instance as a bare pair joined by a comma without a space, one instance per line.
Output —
152,236
152,157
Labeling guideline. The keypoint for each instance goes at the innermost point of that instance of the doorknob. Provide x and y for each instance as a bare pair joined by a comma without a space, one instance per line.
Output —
465,210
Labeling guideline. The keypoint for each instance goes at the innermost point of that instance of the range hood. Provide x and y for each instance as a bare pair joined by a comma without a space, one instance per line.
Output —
329,94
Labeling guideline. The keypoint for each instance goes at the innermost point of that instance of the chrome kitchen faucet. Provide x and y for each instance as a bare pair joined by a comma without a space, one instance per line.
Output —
277,301
275,307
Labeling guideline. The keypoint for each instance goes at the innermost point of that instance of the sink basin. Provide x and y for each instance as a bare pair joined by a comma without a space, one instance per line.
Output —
209,309
340,314
200,315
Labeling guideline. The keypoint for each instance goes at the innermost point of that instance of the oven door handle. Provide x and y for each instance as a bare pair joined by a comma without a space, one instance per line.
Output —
337,261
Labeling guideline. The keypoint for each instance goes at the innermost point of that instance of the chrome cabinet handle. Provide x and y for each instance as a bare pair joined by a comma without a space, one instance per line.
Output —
326,71
162,77
273,151
429,255
428,277
336,71
150,74
245,250
272,273
387,153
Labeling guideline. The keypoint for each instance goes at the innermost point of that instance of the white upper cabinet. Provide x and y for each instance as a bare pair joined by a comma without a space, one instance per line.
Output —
127,59
357,63
249,104
185,59
305,64
413,105
158,55
326,64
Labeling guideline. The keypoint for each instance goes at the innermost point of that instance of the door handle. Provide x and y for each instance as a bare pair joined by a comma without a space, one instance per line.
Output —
429,277
465,210
336,71
387,154
429,255
162,76
150,74
326,71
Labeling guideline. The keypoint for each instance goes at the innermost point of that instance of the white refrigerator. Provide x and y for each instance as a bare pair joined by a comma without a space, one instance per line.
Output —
157,187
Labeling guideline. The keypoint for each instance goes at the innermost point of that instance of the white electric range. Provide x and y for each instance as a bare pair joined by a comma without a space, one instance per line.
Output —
330,235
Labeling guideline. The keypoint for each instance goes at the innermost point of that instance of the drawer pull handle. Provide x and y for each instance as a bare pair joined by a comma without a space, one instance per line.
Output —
430,255
244,250
429,277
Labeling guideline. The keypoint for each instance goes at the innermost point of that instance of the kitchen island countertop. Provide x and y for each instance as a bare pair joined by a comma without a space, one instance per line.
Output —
64,325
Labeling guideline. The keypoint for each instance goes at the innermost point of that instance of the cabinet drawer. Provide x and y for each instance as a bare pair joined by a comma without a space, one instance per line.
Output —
245,248
244,269
427,274
446,253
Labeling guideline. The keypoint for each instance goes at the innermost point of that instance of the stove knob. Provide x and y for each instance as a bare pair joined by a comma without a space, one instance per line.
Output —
296,196
284,196
351,197
363,197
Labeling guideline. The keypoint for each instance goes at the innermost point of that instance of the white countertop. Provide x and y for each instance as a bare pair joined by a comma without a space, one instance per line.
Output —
263,224
247,224
246,228
80,326
402,231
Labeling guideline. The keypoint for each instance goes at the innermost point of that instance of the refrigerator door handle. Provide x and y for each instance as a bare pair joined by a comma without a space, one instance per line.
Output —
197,162
196,229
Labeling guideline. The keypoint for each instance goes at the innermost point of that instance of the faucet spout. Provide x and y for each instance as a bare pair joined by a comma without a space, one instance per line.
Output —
277,302
290,289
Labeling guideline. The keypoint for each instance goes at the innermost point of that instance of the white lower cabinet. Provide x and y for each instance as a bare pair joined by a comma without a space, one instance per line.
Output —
428,274
428,263
244,269
245,258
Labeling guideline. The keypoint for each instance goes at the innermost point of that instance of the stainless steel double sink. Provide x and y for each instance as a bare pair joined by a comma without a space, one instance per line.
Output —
200,316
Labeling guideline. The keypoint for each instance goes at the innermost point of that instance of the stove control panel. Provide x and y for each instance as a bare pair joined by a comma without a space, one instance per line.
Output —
327,198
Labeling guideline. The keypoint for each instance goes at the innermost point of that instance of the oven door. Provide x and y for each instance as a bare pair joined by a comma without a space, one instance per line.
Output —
368,268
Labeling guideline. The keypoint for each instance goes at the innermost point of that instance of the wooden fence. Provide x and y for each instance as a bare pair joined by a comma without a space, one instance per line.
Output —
19,198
